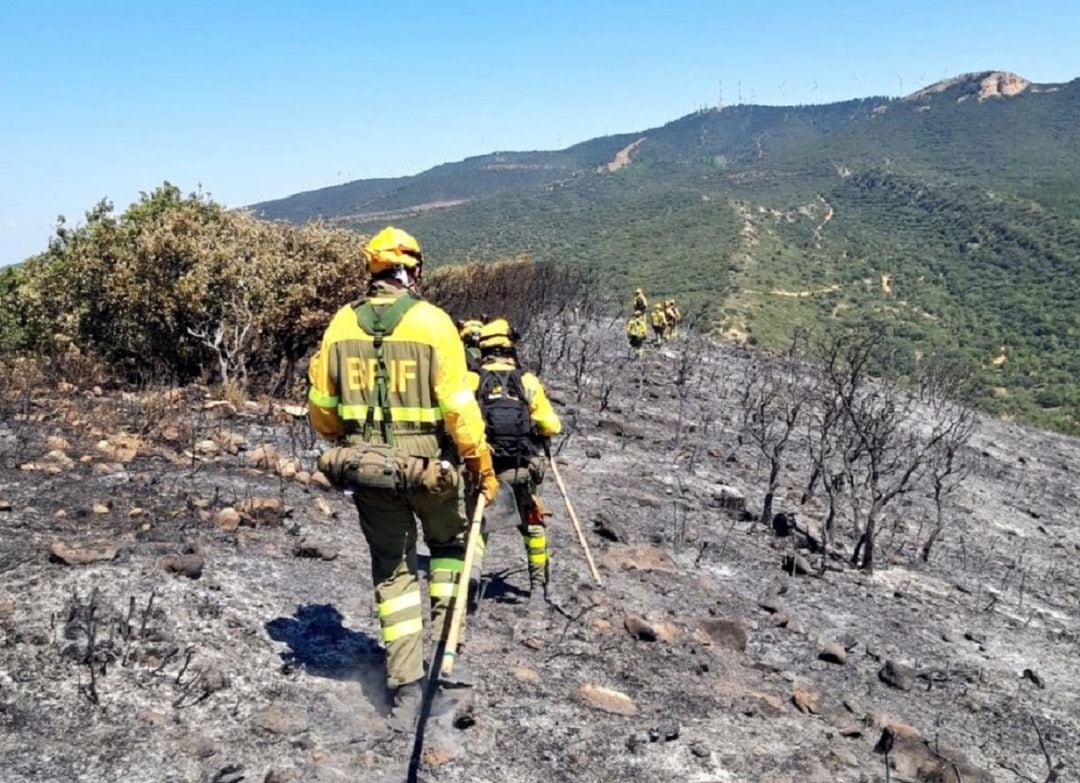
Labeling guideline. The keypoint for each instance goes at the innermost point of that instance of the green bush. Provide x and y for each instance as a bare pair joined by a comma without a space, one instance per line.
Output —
179,288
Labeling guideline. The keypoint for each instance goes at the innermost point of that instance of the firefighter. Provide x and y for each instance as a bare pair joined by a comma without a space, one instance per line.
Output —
519,418
390,388
641,303
659,323
637,331
673,316
469,331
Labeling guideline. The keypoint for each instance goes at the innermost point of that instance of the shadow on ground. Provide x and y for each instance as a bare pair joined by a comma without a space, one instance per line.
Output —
323,647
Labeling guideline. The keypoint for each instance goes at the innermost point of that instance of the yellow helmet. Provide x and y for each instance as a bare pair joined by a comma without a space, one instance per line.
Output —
470,328
392,247
498,334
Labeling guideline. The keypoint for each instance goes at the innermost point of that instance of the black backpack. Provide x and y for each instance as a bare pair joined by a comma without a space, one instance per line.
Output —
505,407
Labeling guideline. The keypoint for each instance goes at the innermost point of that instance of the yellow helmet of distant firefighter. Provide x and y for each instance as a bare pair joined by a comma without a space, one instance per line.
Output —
470,328
498,334
391,248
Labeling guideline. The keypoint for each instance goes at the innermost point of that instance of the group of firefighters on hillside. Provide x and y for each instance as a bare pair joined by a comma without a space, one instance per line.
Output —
426,418
665,319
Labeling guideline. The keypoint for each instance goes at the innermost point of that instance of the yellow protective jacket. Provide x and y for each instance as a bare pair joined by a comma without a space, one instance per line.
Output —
659,318
430,396
636,327
542,414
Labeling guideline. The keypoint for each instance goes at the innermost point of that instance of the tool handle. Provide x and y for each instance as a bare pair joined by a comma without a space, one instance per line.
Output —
573,516
460,598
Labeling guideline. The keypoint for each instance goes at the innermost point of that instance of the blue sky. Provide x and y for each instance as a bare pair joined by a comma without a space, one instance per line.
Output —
257,100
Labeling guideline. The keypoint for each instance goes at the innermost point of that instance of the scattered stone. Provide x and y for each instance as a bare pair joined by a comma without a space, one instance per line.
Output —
100,508
207,448
228,519
897,675
771,604
879,720
638,557
5,505
649,501
319,479
796,565
134,512
54,463
311,548
832,652
640,629
82,554
950,636
265,457
730,634
287,775
700,751
199,747
277,720
592,453
287,467
974,636
525,674
230,442
190,566
914,759
606,527
57,443
107,468
728,497
807,699
608,700
845,757
262,511
1032,676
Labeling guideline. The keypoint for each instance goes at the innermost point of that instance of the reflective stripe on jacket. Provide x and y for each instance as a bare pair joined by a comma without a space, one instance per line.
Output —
425,362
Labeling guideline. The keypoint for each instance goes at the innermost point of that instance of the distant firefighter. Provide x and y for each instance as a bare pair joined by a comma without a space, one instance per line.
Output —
659,323
637,331
673,316
641,302
469,330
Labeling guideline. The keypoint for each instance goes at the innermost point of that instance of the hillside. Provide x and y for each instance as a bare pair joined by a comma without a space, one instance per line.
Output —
960,196
184,601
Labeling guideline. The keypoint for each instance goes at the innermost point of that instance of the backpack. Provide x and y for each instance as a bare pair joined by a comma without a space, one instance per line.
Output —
505,406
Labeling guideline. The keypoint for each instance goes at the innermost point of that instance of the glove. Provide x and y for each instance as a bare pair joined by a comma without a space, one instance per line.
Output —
482,475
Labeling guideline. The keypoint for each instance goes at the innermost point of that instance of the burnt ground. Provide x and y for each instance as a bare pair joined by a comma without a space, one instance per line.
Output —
179,604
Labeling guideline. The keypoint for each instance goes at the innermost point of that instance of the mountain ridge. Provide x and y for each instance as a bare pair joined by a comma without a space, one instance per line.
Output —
962,194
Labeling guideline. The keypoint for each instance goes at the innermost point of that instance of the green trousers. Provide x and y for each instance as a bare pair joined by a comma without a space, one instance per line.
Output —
388,521
525,482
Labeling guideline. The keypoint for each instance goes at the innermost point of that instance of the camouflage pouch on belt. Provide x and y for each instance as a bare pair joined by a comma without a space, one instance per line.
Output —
372,466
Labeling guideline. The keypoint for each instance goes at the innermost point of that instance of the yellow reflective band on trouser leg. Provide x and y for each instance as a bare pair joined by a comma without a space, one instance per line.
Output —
443,589
392,633
537,548
399,603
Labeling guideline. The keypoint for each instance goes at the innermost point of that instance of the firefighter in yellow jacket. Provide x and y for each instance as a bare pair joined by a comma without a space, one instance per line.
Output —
469,330
673,316
637,332
641,302
389,387
519,418
659,322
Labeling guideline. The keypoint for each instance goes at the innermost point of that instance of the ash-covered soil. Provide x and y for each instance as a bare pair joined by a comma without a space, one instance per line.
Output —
181,601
